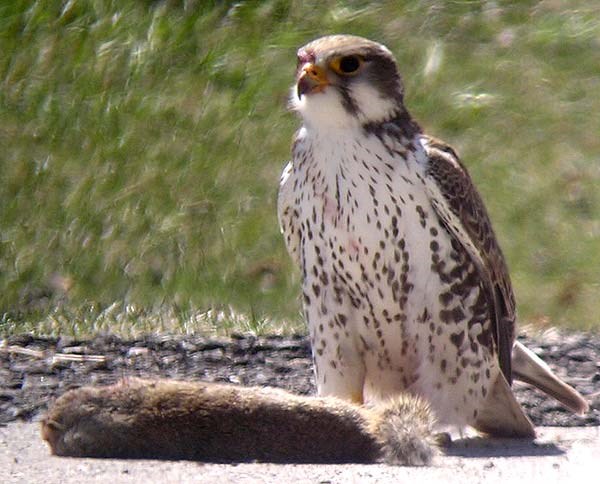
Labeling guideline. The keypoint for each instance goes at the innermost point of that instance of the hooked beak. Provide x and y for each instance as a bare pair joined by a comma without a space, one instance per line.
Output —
312,79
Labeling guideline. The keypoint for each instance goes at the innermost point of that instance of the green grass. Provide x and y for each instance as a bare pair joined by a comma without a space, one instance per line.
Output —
141,146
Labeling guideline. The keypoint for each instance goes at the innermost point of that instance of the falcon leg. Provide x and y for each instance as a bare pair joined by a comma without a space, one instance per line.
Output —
339,368
339,378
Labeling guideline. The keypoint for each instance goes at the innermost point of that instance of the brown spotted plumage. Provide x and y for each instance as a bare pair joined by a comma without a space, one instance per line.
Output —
469,223
405,288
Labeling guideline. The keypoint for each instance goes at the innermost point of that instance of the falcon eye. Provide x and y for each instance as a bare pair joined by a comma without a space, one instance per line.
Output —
347,65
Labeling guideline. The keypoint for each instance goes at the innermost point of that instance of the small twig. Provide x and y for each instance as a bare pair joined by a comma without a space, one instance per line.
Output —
69,357
20,350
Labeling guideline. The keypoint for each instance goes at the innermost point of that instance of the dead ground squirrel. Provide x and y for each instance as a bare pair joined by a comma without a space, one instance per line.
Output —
168,419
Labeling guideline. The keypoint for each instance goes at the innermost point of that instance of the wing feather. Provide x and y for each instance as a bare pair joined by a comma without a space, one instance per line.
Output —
462,211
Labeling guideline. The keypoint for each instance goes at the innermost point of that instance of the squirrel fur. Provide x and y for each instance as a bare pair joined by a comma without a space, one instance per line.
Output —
169,419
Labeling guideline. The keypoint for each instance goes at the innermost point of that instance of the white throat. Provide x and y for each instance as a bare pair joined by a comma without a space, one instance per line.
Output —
325,110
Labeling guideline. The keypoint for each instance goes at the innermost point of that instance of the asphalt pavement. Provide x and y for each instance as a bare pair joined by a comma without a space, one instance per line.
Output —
558,454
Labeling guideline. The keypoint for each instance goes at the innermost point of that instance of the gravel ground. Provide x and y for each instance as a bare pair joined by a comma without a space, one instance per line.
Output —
34,371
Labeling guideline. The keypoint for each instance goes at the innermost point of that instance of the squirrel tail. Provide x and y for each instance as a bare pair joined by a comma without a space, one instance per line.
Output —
404,428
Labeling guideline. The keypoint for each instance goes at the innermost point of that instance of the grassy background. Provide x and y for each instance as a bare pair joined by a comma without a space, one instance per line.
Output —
141,146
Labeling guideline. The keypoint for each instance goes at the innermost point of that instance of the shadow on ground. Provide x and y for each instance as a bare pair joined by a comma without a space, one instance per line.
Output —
479,447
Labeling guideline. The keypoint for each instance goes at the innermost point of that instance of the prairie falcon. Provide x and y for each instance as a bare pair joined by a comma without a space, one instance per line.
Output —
405,288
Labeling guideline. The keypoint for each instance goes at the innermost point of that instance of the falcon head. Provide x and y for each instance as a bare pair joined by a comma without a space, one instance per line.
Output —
344,81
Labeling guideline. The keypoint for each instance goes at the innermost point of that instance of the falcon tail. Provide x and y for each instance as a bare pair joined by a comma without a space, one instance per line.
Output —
502,416
529,368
